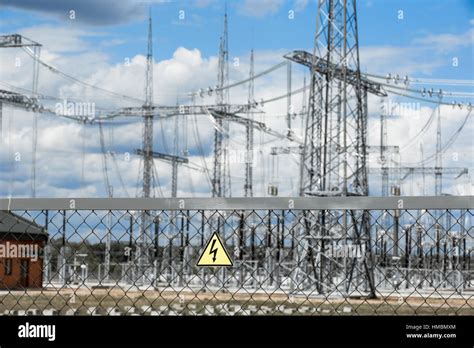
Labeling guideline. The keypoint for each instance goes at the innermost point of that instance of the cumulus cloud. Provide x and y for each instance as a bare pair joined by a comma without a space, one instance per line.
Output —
60,39
67,149
412,58
446,42
406,60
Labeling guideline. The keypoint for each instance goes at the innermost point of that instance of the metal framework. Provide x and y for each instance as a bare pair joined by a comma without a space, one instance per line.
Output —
426,261
31,103
219,188
254,203
334,155
143,253
174,160
248,186
333,166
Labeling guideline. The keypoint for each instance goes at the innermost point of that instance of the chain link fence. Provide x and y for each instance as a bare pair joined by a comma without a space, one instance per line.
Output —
291,256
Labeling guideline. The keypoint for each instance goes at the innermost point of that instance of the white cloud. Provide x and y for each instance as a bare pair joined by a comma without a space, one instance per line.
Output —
446,42
401,60
60,39
422,55
60,141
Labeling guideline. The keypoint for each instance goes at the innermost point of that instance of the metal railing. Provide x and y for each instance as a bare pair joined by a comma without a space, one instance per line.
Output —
329,256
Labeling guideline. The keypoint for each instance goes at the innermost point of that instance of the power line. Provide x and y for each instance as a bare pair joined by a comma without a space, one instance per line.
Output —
460,105
420,80
447,145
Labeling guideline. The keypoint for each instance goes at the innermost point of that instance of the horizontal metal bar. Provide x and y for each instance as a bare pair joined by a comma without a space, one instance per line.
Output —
276,203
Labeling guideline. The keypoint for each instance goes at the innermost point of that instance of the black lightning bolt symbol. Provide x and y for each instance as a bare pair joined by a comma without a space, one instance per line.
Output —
213,251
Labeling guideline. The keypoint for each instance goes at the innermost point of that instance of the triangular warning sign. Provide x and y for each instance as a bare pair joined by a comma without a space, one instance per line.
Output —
214,253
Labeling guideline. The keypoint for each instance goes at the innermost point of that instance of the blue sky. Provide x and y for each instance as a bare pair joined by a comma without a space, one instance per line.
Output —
94,46
266,29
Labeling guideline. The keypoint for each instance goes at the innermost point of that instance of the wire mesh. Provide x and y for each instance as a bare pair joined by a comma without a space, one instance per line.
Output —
285,262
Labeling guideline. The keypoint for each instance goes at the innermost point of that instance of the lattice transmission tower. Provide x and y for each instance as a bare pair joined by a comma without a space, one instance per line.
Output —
335,151
222,99
144,247
334,154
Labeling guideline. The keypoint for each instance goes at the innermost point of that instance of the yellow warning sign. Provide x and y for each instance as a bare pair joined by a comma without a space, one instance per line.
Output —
214,253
